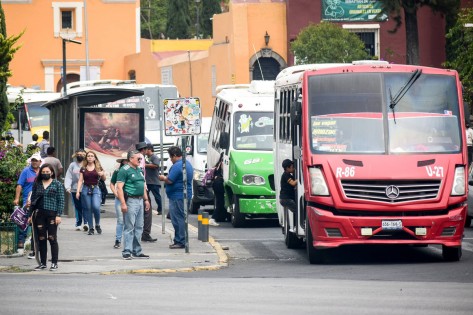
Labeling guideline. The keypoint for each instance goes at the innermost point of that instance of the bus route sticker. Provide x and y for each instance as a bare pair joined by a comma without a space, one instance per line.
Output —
182,116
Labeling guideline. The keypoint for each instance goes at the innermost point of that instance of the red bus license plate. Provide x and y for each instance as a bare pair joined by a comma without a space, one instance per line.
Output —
391,225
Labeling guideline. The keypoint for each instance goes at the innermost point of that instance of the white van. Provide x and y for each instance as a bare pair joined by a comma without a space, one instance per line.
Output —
196,154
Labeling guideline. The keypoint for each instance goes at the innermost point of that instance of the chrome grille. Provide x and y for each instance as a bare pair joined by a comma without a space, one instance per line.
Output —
377,190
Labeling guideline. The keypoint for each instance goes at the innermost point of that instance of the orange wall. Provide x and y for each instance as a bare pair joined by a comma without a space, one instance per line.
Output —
112,35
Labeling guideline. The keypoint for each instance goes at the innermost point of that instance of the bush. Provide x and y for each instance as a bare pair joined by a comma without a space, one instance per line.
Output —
12,162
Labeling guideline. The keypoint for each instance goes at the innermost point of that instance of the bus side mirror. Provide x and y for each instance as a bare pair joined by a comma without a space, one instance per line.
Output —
224,140
296,111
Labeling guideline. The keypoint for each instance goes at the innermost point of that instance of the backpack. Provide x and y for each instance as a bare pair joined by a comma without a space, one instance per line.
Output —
208,177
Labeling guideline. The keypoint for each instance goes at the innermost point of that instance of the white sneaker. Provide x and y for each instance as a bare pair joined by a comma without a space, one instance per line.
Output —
212,222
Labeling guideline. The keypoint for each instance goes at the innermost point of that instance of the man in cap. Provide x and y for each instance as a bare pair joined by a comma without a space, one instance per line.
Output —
132,194
151,176
25,184
148,215
118,211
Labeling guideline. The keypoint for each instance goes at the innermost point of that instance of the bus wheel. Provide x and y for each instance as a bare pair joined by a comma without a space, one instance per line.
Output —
468,221
451,253
238,219
315,256
290,238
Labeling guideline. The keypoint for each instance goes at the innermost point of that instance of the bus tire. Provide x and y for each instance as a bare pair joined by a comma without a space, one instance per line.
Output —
238,219
315,256
468,221
451,253
290,238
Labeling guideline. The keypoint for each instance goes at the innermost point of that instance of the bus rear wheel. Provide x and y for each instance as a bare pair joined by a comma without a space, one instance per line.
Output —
315,256
238,219
290,238
451,253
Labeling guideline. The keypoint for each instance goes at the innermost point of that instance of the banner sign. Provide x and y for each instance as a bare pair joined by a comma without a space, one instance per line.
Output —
352,10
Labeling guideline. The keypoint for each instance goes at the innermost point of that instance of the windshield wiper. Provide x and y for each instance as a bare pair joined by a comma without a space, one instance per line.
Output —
402,91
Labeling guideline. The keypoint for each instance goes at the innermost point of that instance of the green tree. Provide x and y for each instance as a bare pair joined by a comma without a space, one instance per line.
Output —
153,18
6,55
408,8
209,8
178,21
325,43
461,57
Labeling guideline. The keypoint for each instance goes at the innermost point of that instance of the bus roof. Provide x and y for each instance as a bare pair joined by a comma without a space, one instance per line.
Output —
80,86
294,74
257,96
29,95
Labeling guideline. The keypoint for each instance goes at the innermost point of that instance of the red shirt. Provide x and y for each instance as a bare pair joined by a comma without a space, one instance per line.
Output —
91,178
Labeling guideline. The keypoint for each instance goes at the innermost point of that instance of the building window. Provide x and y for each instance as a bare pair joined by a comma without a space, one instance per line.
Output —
369,34
66,19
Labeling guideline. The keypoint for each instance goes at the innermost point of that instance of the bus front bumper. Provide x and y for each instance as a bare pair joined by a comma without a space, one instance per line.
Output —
329,230
257,206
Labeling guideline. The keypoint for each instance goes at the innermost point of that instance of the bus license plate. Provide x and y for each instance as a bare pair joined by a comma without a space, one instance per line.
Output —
391,225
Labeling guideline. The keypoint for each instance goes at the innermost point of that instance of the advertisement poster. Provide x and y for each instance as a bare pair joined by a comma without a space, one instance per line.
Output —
182,116
110,133
352,10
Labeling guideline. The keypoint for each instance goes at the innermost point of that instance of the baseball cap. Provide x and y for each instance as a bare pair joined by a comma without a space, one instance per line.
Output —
36,156
286,163
141,145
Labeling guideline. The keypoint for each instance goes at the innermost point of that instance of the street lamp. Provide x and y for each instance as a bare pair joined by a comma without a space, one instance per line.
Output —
64,72
266,38
197,24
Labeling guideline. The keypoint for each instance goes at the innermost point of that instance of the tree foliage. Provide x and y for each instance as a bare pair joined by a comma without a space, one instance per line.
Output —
209,8
7,50
178,19
461,57
153,18
326,43
408,8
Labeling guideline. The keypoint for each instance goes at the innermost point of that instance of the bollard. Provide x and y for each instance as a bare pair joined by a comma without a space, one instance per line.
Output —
205,227
199,219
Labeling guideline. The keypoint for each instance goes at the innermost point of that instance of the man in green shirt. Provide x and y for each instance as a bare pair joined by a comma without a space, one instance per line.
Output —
131,189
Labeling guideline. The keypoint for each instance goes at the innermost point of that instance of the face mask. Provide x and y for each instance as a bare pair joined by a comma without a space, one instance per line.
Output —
80,158
45,176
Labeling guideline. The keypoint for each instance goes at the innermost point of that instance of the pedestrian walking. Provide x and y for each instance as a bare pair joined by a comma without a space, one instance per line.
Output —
148,215
131,189
88,190
25,183
118,210
47,204
54,162
70,183
44,145
151,176
175,192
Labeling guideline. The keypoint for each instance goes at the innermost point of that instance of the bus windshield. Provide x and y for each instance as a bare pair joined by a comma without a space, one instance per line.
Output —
38,116
348,114
253,131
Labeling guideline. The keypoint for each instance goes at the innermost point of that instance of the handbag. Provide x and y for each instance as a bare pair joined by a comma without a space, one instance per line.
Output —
20,217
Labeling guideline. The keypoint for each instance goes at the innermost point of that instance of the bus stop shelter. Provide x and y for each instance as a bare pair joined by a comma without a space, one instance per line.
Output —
65,119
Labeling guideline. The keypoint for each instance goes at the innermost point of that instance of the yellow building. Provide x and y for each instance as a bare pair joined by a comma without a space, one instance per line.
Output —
112,28
250,42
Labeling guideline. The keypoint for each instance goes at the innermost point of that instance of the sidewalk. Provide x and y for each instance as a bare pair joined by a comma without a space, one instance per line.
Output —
82,253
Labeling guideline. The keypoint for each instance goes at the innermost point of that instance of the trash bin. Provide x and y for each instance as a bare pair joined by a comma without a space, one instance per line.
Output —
8,238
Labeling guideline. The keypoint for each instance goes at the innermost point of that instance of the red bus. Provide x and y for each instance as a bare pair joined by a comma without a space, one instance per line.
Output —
379,153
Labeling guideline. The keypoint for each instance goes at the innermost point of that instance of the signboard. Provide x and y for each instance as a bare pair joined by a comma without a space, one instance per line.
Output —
352,10
182,116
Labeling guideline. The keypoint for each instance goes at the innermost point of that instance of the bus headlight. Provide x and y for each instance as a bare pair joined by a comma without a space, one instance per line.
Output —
318,186
253,180
459,187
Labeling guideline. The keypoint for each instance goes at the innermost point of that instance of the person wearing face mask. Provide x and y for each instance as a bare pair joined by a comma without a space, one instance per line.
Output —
47,205
70,183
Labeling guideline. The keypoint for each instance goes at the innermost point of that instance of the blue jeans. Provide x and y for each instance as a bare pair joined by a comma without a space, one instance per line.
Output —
178,220
91,205
118,211
133,220
79,210
156,193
